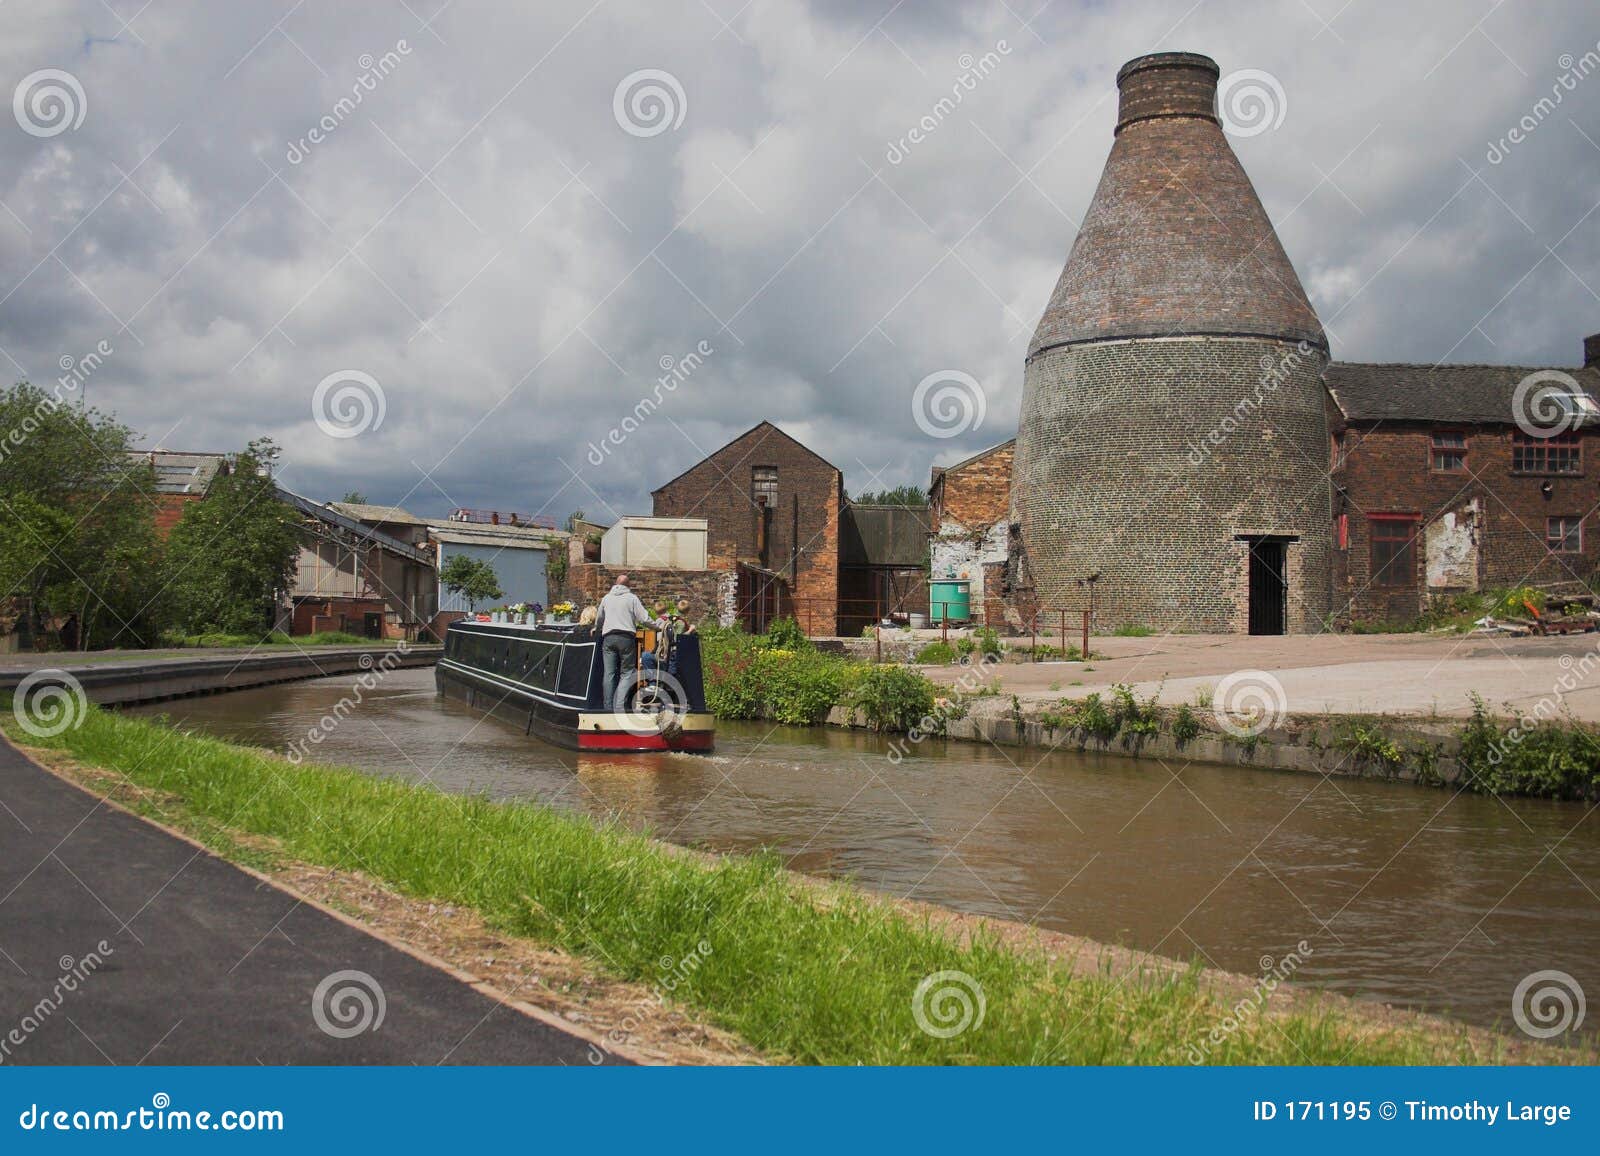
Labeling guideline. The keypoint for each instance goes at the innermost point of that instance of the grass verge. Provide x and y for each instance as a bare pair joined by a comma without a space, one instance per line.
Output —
807,973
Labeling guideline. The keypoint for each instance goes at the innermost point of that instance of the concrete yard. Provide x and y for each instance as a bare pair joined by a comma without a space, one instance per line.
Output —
1398,674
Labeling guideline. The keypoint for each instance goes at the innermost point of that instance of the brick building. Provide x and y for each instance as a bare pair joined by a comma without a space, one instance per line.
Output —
970,515
773,509
1440,489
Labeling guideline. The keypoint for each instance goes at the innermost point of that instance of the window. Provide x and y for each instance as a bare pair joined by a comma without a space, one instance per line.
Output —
764,485
1449,451
1561,454
1564,535
1394,555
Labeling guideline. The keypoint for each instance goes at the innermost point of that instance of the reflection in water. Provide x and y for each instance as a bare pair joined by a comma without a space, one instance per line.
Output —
1404,894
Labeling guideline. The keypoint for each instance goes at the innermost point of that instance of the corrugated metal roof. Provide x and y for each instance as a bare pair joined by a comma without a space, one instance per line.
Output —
181,473
503,541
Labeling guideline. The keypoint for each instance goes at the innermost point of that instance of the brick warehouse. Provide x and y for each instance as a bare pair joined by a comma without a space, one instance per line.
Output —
1294,492
969,526
773,509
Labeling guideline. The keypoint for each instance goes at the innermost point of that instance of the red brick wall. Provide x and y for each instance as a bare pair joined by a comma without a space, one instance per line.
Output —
802,540
979,493
169,511
1389,470
588,583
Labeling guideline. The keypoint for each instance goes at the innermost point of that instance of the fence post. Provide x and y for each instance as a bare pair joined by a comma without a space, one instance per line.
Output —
944,622
1063,638
877,631
1085,637
1033,635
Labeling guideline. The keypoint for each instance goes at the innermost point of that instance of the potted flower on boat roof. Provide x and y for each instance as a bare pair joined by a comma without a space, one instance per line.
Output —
561,612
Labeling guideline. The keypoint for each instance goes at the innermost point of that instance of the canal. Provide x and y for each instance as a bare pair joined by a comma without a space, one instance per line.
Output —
1405,894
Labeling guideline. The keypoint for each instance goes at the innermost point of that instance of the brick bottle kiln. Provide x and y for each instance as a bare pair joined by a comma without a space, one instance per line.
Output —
1174,435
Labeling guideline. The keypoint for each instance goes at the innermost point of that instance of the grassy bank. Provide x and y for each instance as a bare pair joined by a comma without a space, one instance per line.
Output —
276,638
809,973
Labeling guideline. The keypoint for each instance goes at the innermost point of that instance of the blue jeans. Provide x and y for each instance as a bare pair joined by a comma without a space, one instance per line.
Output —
619,651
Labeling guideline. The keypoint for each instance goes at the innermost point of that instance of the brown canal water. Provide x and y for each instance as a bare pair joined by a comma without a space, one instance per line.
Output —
1404,894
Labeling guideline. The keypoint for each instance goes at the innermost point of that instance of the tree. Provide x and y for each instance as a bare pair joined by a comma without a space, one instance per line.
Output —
231,555
472,579
899,496
77,520
354,498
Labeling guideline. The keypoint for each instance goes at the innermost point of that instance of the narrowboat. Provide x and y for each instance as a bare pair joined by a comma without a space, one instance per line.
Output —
548,679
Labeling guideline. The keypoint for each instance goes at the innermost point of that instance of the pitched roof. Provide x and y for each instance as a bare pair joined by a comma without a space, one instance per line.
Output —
940,471
731,441
1471,394
357,529
181,473
362,512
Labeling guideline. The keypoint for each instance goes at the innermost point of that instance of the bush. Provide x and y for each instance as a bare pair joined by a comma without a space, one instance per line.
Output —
988,642
1132,630
893,698
1554,760
750,677
785,634
936,654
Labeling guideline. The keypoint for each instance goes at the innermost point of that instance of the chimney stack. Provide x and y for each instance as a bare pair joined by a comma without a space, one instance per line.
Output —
1167,84
1591,351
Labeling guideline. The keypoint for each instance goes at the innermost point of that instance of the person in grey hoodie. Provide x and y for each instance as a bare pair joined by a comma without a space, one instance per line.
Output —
621,614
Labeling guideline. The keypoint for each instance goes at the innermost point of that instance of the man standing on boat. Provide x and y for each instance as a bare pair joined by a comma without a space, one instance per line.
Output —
621,614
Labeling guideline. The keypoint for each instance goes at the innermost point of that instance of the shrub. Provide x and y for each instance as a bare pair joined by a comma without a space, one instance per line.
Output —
1185,726
1549,759
1132,630
785,634
892,698
987,642
936,654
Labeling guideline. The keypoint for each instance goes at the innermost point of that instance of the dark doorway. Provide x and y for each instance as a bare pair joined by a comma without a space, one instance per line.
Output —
1269,586
372,625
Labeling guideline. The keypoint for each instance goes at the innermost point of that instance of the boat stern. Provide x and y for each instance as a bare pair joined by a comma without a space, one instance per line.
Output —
668,731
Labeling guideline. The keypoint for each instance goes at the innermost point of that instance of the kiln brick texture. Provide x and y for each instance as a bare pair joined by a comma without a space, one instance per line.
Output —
1173,405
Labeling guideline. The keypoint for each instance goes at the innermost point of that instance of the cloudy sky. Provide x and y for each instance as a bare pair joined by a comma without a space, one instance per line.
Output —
490,224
